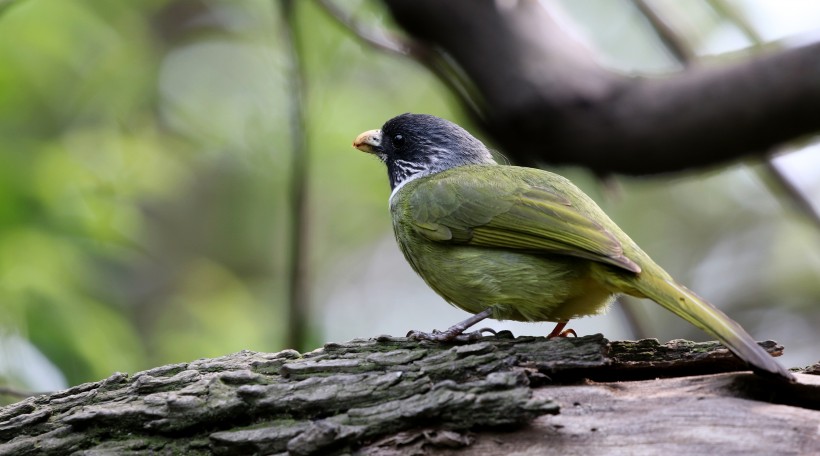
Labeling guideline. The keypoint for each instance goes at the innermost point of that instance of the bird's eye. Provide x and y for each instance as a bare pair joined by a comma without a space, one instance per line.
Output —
398,141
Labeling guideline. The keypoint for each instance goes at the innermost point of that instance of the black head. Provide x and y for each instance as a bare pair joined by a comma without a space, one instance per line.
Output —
415,145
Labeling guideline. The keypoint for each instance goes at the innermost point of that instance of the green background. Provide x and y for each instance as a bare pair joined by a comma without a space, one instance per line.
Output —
144,173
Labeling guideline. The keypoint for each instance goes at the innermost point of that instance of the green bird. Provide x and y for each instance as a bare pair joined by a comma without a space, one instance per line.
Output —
524,244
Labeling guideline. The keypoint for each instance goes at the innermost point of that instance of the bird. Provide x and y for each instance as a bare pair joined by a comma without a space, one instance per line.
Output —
520,243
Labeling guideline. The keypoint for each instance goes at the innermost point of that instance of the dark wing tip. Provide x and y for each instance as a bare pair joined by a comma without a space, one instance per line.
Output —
778,373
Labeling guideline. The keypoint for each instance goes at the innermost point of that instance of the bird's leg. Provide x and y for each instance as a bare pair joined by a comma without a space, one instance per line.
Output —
559,331
455,332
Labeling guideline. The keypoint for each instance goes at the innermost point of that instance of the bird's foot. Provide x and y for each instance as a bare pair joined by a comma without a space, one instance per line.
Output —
564,333
453,334
456,332
559,331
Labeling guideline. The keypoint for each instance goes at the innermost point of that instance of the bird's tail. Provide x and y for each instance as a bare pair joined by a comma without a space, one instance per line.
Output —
696,310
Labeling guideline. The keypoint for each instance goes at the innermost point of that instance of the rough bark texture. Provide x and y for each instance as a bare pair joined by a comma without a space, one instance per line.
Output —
543,97
395,396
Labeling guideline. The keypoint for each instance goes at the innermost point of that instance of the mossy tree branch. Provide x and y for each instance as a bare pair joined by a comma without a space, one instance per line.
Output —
396,396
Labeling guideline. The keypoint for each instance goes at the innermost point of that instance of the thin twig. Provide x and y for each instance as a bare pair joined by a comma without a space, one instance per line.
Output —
778,180
635,317
376,38
672,41
298,294
738,19
17,393
446,71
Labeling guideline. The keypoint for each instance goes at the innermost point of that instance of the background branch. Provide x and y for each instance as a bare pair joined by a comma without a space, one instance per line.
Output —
377,38
546,99
298,287
672,41
435,62
777,181
16,393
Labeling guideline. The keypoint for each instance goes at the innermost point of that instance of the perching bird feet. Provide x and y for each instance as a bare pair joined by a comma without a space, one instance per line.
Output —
456,332
559,331
449,336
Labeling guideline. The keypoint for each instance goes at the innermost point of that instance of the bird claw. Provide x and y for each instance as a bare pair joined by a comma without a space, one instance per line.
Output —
434,336
564,333
487,330
449,335
559,331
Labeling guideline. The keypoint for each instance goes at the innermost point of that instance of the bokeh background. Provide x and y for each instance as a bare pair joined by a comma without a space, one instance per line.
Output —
146,171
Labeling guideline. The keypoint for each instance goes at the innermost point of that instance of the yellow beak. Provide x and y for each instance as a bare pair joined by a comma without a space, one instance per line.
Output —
369,141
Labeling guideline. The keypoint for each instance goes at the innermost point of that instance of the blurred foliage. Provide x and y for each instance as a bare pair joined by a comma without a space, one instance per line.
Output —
143,176
143,168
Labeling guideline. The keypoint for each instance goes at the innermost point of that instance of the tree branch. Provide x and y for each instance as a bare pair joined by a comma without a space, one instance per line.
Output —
546,99
777,181
400,396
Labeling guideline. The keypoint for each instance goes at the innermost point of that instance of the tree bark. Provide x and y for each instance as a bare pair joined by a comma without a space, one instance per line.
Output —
395,396
543,97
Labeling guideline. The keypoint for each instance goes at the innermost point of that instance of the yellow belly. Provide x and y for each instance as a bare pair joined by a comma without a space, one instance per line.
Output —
516,285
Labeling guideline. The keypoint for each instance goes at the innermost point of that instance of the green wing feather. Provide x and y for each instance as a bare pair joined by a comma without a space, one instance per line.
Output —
517,209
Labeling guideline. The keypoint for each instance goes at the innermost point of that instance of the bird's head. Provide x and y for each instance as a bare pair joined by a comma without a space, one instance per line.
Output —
416,145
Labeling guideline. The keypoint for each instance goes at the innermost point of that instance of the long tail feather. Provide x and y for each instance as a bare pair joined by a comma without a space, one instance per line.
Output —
696,310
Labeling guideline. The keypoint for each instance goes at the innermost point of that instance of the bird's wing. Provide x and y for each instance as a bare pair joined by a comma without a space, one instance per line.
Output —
506,212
